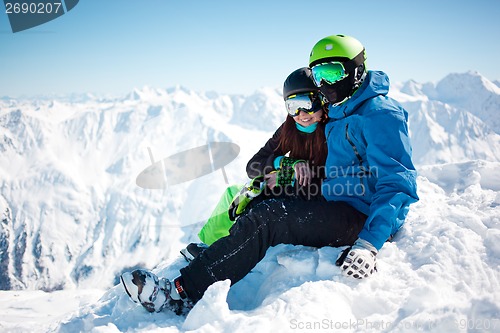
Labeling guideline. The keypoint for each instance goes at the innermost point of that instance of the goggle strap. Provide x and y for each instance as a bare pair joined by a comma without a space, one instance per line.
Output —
355,62
295,95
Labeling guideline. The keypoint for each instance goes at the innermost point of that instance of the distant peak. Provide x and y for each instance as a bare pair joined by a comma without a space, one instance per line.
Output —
471,82
178,88
412,87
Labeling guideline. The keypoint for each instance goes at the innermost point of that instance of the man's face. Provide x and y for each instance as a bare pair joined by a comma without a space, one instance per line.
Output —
329,92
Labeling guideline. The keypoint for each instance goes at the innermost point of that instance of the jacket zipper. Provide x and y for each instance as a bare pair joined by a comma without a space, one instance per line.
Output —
364,172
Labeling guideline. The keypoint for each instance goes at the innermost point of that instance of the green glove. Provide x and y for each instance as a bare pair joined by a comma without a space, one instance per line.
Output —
252,189
286,173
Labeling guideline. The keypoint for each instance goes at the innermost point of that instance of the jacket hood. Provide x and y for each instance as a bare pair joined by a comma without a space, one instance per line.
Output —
375,83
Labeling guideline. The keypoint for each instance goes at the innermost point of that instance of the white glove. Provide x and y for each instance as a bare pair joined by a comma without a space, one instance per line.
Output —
358,260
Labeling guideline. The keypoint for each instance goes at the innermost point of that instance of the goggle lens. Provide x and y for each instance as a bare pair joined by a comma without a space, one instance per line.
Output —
302,102
330,73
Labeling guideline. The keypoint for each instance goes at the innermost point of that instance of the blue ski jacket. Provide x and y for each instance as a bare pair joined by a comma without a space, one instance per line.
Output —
369,162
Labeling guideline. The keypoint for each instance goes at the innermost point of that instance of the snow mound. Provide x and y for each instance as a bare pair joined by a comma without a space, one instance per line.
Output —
439,274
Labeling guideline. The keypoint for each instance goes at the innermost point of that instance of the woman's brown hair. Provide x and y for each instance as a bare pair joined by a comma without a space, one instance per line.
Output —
306,146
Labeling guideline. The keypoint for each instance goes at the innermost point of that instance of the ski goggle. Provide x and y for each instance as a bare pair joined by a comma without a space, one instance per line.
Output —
329,73
308,103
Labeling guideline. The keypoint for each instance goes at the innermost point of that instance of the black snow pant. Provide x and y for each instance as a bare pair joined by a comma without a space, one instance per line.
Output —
269,223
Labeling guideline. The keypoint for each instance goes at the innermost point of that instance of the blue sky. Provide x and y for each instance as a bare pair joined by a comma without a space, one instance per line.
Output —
113,46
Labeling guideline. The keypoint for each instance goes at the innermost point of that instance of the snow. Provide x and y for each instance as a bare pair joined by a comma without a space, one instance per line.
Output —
72,218
440,274
36,311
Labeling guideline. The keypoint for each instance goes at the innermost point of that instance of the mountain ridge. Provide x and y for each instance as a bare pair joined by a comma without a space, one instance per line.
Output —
73,215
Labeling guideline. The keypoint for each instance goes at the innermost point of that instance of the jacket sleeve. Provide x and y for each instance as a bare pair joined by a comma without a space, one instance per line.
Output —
389,156
263,162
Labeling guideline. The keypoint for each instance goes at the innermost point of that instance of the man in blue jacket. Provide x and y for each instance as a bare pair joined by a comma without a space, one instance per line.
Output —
369,162
370,183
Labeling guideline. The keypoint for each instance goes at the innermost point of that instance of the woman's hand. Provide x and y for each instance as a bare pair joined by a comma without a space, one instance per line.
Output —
271,180
303,173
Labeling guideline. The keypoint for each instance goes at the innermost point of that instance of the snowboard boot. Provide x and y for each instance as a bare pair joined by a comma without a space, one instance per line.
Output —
156,294
193,250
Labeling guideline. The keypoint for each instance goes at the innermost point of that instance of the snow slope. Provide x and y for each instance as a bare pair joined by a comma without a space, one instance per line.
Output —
70,168
73,218
441,274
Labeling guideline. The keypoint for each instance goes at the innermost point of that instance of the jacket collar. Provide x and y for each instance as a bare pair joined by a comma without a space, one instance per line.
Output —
376,83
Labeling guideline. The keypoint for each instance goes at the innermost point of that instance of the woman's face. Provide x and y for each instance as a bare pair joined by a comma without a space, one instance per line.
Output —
306,119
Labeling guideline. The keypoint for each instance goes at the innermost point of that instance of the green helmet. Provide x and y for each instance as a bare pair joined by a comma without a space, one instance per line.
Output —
351,53
337,48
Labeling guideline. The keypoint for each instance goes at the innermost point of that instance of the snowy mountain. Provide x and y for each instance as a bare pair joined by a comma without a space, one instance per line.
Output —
449,123
69,169
461,91
72,215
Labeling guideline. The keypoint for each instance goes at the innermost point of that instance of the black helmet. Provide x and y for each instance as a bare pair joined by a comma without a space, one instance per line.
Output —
299,81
